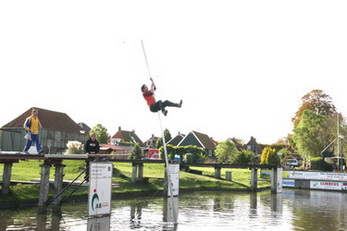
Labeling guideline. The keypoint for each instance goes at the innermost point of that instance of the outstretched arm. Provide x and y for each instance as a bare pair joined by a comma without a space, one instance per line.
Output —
153,87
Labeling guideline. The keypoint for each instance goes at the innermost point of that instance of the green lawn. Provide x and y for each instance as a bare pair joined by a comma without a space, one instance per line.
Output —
27,170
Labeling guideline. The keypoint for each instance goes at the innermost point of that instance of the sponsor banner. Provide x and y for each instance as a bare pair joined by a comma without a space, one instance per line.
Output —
288,183
305,175
328,185
174,171
100,186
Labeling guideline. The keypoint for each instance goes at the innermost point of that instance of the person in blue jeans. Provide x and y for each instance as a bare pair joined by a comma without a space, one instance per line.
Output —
32,126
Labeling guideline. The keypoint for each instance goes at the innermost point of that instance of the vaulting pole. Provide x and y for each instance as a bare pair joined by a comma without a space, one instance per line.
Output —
165,150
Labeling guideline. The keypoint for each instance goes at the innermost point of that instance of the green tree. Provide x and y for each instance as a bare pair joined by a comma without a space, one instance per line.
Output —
159,143
316,101
244,157
101,133
273,158
307,134
265,155
285,154
226,152
136,153
167,135
269,156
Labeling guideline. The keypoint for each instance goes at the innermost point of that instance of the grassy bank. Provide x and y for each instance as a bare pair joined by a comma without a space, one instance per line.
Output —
29,170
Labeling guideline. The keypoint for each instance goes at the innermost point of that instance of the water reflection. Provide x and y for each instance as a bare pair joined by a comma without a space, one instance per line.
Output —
291,210
102,223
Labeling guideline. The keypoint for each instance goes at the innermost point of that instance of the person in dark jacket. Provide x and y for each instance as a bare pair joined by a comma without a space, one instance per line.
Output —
91,147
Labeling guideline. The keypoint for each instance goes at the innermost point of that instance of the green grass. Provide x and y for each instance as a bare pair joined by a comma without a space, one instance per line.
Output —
27,170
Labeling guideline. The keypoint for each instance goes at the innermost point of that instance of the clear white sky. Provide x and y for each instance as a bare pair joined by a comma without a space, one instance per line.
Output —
241,67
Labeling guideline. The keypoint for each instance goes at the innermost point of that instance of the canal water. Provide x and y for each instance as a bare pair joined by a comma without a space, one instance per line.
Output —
290,210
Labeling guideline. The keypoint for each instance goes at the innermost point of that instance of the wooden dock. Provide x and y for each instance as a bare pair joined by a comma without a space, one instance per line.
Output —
56,160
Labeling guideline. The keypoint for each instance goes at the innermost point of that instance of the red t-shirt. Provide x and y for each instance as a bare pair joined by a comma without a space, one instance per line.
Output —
149,97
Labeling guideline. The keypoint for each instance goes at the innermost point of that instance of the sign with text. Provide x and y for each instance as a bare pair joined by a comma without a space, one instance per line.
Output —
333,176
328,185
174,171
100,188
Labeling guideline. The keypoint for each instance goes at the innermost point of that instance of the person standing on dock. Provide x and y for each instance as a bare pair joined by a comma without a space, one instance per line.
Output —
91,147
32,126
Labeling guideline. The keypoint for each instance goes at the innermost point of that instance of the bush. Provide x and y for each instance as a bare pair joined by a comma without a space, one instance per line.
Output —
189,158
197,152
317,163
244,157
74,147
136,153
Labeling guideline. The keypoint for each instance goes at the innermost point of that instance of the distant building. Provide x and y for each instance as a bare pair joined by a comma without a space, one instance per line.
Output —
176,140
150,143
57,129
238,144
253,146
125,140
200,140
85,127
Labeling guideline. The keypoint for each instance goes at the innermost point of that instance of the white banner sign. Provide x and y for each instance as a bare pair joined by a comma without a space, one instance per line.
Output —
100,188
335,176
174,171
327,185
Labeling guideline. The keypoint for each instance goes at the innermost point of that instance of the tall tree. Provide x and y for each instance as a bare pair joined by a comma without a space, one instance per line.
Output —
136,153
101,133
167,135
308,134
317,101
226,152
159,143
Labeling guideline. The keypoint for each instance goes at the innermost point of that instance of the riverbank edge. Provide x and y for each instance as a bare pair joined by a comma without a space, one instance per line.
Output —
123,195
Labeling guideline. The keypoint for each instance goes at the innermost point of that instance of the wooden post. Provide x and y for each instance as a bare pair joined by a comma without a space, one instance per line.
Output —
228,176
217,171
58,182
6,178
254,179
134,172
140,173
44,186
274,180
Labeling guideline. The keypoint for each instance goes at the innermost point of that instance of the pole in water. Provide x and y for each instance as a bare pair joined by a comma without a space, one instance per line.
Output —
169,183
165,150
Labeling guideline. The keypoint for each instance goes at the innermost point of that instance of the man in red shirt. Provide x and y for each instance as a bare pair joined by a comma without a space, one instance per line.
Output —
154,105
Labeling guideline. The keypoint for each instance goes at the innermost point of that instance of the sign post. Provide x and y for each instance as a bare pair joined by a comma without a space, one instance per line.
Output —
174,171
100,188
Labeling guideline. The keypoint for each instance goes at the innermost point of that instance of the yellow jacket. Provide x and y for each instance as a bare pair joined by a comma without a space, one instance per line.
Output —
32,124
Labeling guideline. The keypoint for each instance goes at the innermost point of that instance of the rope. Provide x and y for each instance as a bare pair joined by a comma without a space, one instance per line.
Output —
144,53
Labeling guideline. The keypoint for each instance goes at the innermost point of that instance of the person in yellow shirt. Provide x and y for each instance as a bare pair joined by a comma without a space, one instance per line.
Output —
32,126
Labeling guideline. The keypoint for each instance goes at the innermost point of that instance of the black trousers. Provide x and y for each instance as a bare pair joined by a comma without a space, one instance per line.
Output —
159,105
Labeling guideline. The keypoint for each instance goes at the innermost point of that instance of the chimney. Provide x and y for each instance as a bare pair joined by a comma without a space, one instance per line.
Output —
119,128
